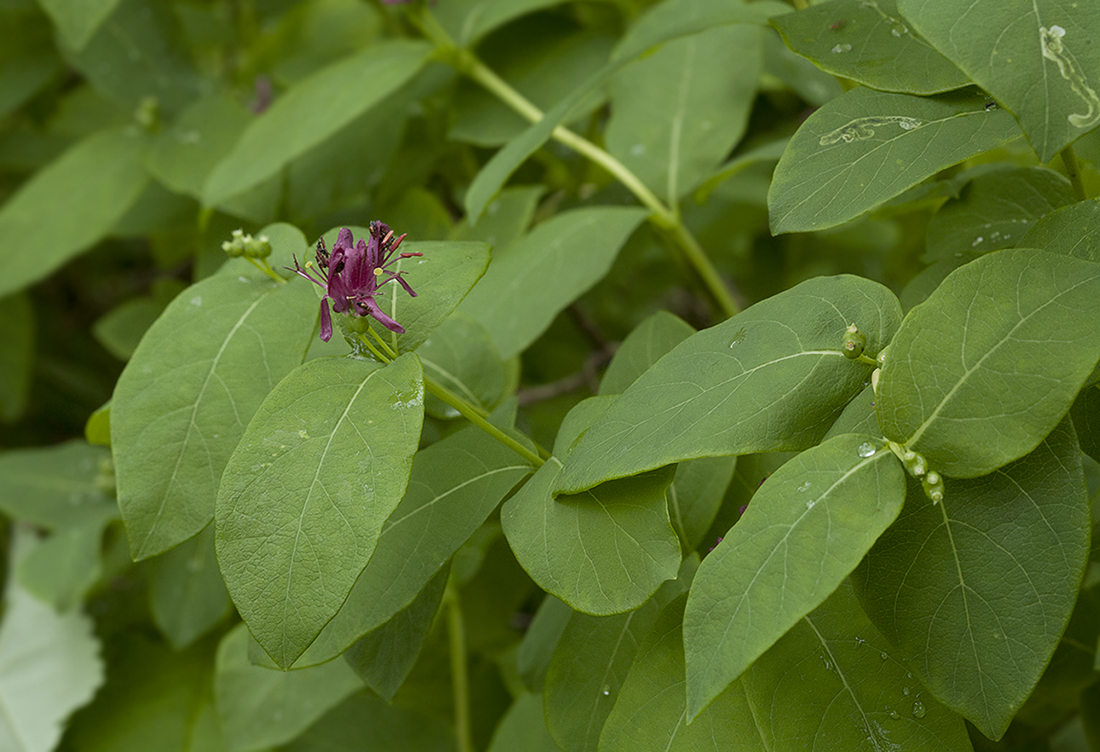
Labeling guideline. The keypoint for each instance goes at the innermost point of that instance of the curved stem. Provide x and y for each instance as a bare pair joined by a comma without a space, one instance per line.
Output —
663,216
474,415
460,682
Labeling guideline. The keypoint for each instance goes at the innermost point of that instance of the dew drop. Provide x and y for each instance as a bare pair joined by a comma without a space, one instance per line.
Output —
866,449
918,709
810,504
805,486
905,691
859,642
842,48
977,241
895,715
606,690
883,656
826,663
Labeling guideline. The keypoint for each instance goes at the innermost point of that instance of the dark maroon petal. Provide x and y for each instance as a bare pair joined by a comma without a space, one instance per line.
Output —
401,281
326,321
344,240
358,269
382,318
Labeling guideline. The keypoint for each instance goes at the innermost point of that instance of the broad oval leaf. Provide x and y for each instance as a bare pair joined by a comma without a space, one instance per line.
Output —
187,595
188,392
1073,230
865,147
868,42
980,372
311,111
545,271
673,143
773,377
455,484
1039,58
259,708
649,342
976,591
75,200
77,20
994,210
321,466
825,508
832,683
460,355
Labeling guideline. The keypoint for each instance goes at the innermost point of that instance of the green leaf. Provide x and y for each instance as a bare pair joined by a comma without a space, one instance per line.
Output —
1037,57
865,147
523,727
773,377
55,487
186,592
441,278
976,591
650,712
384,657
95,181
980,372
137,55
183,154
648,343
320,467
604,551
17,346
994,210
695,496
460,355
806,529
538,276
672,143
184,399
78,20
542,636
869,43
468,21
455,485
543,69
1073,230
859,417
311,111
154,698
664,22
259,708
387,728
49,664
28,59
1086,419
590,664
66,565
831,681
506,218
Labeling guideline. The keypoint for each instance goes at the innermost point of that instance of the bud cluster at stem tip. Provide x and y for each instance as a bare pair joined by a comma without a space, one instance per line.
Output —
246,246
854,342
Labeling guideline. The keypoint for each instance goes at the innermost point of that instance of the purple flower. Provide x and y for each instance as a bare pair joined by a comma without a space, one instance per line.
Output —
353,275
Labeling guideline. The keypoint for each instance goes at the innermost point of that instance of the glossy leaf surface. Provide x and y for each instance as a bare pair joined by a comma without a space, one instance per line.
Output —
976,591
322,465
773,377
861,149
827,506
990,363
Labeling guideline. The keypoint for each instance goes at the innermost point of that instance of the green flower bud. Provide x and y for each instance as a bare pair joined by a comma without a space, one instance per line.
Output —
854,342
882,356
915,464
932,483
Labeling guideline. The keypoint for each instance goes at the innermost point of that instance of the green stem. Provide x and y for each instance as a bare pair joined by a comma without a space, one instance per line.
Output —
475,416
265,267
663,216
863,358
1069,159
460,683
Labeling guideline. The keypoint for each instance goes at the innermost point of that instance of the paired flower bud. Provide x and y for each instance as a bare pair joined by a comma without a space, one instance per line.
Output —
932,483
247,246
854,342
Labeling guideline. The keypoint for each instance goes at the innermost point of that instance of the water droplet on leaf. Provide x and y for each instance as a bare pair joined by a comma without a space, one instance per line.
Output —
842,48
918,709
866,449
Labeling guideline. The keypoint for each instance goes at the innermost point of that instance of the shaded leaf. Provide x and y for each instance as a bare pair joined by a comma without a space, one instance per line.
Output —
865,147
644,346
17,346
320,467
990,363
96,181
77,20
55,487
186,592
825,508
772,377
259,707
548,269
1073,230
387,727
976,591
311,111
460,355
524,727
